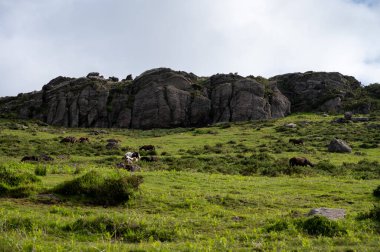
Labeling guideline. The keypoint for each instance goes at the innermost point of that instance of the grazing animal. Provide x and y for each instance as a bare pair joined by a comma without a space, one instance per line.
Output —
149,159
69,139
132,168
296,141
113,140
132,156
147,148
44,157
128,167
299,161
84,140
30,158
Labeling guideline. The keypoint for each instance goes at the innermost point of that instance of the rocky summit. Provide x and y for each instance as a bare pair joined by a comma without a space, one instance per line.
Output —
164,98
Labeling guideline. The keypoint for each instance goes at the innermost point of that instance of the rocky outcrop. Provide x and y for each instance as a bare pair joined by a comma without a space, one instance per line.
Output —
316,91
163,98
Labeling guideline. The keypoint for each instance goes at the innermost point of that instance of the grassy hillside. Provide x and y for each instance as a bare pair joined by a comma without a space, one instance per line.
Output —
219,188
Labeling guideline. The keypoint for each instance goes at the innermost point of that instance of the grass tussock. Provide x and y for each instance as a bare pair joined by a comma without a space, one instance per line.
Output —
321,226
120,229
17,183
99,189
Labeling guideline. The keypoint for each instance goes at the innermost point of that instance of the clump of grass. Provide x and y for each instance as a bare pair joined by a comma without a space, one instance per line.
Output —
98,189
127,231
40,171
17,223
279,225
321,226
376,192
373,214
16,183
364,169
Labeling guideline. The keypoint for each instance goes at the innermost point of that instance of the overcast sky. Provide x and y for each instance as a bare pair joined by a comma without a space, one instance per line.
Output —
42,39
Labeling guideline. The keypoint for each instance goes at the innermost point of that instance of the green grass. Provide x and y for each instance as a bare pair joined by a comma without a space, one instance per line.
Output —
222,188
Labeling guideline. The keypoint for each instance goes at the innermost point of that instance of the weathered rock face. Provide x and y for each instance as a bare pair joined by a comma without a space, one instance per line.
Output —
316,91
163,98
234,98
76,103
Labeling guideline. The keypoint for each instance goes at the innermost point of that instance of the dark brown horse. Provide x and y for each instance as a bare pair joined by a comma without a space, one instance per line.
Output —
69,139
30,158
299,161
296,141
84,140
147,148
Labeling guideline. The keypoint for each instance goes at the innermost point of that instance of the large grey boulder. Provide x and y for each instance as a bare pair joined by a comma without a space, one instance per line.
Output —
338,145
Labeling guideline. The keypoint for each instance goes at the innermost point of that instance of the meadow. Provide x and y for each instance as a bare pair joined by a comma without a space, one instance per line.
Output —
226,187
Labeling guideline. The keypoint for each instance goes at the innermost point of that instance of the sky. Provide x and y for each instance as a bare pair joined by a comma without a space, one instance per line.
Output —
43,39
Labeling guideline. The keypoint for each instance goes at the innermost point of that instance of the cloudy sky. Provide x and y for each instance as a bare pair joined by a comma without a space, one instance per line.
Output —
42,39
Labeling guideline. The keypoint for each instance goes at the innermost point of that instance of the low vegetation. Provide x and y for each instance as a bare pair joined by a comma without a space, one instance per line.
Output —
96,188
227,187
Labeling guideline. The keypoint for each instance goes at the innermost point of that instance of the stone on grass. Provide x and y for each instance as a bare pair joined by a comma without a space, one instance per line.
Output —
330,213
338,145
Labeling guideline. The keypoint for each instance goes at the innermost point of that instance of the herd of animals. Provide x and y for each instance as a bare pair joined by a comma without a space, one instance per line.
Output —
130,158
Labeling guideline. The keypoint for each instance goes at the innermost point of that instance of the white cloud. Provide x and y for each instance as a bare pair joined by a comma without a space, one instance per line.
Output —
42,39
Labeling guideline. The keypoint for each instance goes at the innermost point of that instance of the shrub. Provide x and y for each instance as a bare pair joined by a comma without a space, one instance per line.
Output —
373,214
376,192
364,169
325,165
17,184
40,171
98,189
128,231
15,178
17,223
320,225
279,225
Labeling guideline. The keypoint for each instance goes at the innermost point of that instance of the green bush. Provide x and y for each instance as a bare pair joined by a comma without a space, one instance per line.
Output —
129,232
17,184
17,223
279,225
376,192
321,226
373,214
98,189
16,178
364,169
40,171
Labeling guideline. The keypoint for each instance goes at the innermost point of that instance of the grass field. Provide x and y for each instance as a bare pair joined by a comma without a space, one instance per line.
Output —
226,187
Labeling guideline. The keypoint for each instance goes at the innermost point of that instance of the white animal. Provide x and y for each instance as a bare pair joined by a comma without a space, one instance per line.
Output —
132,156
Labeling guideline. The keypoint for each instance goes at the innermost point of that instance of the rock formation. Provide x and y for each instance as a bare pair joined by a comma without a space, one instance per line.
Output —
163,98
316,91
